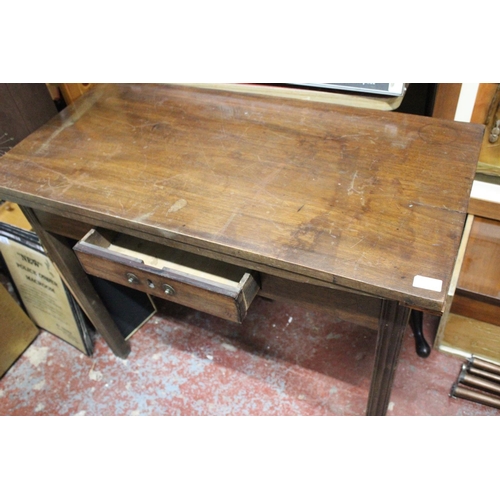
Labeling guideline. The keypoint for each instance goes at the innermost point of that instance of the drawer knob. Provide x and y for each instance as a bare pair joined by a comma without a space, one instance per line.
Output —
132,278
168,289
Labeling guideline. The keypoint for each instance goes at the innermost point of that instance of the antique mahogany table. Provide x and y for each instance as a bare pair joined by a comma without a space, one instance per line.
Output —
228,195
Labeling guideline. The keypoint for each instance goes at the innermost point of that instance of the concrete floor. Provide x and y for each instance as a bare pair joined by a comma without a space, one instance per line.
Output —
283,360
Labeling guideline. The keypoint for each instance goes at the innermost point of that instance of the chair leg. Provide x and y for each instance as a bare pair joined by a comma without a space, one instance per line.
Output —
416,322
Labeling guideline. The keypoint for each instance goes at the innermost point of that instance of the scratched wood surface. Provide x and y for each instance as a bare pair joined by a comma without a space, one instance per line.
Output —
363,199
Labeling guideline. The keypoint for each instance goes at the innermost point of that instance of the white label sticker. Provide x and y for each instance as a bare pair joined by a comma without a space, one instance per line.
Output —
427,283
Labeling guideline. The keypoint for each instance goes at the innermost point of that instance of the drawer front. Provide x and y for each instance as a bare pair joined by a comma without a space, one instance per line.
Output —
227,294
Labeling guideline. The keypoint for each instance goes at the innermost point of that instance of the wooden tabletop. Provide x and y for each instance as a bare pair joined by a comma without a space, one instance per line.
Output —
363,199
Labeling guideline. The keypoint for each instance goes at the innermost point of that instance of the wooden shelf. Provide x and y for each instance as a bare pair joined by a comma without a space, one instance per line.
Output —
478,290
480,276
473,326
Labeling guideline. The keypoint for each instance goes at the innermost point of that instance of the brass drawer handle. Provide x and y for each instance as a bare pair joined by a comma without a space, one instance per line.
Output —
132,278
169,290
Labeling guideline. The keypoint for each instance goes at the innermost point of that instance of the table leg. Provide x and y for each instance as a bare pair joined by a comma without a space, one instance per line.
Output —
392,325
60,252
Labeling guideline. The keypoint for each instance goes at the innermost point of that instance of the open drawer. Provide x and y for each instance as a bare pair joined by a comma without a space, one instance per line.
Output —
204,284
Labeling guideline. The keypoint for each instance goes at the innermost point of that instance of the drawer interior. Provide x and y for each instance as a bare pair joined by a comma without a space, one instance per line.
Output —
162,257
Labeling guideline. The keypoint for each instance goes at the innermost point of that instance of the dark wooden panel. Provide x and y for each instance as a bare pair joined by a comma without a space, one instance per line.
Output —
63,226
445,104
359,198
472,307
361,310
12,126
24,107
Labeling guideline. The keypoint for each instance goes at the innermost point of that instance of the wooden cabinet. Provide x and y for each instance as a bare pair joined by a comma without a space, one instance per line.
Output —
72,91
478,290
473,323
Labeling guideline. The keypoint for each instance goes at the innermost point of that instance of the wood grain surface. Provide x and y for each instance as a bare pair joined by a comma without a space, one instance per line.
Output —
467,336
17,331
363,199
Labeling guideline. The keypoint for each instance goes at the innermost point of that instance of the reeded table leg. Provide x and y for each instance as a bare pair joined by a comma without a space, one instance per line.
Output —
392,325
62,255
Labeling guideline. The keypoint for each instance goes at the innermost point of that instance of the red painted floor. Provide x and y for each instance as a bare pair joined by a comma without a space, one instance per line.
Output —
283,360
